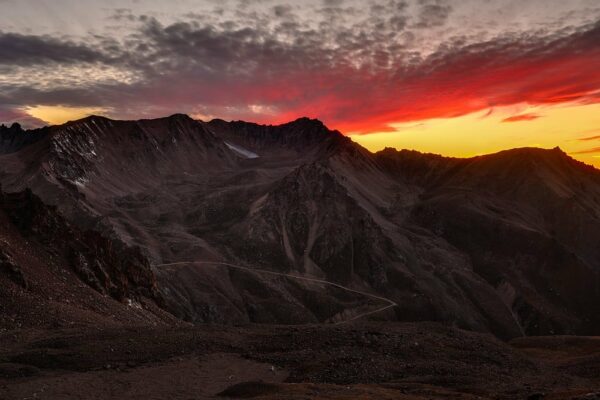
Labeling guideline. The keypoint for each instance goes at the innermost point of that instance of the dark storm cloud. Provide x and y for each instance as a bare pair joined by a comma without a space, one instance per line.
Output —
24,50
83,96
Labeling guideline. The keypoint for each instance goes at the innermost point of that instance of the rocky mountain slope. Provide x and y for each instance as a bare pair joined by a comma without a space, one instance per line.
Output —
506,243
54,275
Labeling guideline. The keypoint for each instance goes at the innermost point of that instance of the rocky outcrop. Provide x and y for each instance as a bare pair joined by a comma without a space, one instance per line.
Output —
313,225
299,135
105,264
10,268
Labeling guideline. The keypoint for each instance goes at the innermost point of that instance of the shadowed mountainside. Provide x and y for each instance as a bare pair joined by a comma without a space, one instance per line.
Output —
52,274
506,243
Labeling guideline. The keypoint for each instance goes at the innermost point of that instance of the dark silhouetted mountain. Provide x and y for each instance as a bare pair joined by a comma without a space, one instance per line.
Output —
14,138
300,135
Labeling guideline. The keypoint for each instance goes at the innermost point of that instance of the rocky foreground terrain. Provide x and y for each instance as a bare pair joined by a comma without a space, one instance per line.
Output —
175,258
360,361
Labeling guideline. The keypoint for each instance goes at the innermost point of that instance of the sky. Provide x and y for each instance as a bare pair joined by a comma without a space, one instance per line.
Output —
454,77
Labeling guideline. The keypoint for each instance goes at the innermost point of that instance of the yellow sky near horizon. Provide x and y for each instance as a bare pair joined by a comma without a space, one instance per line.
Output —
485,132
470,135
56,115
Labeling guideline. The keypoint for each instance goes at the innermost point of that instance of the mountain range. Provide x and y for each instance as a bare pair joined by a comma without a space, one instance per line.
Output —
234,222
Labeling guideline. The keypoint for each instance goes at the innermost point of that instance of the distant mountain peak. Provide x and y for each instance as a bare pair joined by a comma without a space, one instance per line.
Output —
14,137
299,135
14,127
307,122
527,155
180,116
95,117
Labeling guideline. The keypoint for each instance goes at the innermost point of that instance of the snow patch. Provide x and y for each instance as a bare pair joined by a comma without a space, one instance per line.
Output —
242,151
81,182
134,304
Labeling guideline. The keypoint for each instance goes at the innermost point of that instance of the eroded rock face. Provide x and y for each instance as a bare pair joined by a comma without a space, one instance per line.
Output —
9,267
310,221
106,264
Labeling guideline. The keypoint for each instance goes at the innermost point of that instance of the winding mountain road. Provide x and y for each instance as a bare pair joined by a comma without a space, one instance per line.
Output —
390,303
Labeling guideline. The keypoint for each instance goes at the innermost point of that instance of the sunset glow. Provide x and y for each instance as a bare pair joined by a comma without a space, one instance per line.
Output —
456,78
573,127
56,115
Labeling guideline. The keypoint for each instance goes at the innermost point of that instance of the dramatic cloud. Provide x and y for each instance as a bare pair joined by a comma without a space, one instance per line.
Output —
360,68
28,50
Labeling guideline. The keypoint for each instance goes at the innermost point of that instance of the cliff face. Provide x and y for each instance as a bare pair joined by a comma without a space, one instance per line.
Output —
47,263
105,264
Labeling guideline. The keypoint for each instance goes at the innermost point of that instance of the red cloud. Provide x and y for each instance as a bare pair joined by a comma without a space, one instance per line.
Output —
458,82
522,117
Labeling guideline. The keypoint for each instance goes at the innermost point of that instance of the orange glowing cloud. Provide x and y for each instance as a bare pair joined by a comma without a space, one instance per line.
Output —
587,139
522,117
594,150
